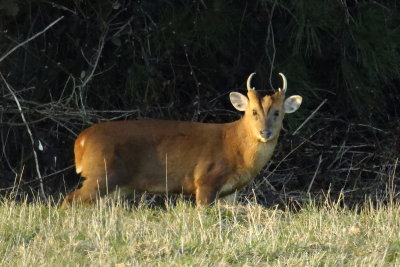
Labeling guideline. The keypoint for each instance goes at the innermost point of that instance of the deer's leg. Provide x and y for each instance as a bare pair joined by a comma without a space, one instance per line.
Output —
205,195
91,189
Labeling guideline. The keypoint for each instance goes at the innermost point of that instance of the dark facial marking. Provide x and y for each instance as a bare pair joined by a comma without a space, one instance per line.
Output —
210,167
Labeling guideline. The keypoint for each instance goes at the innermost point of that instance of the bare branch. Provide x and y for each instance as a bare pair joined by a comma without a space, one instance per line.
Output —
315,175
30,135
309,117
30,39
99,51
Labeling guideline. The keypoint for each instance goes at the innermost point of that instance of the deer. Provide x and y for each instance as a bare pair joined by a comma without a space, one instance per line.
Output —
205,160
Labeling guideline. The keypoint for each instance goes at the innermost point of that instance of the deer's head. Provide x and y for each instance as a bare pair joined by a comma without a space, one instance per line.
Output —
263,115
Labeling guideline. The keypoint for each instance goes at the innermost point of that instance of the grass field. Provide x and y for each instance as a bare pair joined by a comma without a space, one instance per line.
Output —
112,234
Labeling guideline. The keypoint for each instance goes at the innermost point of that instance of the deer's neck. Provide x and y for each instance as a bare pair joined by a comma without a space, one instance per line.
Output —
243,148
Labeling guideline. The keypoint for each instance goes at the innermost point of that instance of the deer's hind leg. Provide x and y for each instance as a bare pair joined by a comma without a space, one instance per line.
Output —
93,188
90,190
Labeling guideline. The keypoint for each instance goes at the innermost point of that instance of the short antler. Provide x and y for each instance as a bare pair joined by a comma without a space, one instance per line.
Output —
283,90
248,82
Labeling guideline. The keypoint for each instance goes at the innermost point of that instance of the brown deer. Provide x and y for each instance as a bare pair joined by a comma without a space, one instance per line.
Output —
202,159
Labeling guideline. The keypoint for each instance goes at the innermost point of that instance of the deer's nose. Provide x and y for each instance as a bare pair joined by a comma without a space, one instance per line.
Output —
266,133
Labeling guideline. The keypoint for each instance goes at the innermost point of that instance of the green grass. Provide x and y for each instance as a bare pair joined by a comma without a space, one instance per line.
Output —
114,235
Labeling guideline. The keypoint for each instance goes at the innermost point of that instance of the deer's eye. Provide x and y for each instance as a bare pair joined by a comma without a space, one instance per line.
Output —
254,112
276,113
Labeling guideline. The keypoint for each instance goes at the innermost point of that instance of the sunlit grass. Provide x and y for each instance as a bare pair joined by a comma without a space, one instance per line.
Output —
113,234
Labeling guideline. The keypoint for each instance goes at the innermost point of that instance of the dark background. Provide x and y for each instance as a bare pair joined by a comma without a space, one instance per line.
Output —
109,60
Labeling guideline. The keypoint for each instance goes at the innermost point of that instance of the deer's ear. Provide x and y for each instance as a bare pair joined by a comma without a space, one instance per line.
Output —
293,103
239,101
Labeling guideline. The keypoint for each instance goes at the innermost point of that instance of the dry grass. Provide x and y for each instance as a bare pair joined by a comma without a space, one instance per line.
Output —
112,234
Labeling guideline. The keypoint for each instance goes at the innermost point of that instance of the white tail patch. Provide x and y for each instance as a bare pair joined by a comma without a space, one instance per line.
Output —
78,169
82,143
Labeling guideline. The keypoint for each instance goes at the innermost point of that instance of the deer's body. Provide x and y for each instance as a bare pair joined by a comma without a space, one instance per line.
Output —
202,159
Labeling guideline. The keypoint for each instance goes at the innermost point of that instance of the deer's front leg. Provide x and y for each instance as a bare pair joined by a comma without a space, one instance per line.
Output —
205,195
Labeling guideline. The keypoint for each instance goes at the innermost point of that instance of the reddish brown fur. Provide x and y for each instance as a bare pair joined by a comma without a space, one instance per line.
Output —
201,159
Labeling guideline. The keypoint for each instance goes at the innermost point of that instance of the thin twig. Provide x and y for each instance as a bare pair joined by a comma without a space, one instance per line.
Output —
99,52
309,117
33,181
94,67
271,33
265,179
315,174
30,39
43,195
16,186
197,83
60,6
